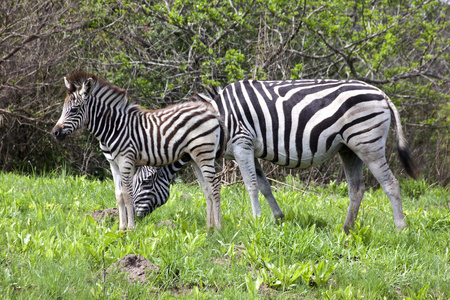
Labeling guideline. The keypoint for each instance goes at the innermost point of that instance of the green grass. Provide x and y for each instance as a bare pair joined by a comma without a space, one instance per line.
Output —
50,249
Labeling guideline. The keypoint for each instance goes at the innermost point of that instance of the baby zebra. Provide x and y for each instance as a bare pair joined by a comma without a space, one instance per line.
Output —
130,136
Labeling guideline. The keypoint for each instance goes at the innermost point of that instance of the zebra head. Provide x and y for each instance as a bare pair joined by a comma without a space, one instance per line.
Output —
151,189
74,115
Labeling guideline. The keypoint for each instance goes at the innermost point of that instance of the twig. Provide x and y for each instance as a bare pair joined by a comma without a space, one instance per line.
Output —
288,185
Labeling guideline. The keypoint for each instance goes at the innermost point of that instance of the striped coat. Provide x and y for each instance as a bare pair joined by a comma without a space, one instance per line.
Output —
299,124
130,136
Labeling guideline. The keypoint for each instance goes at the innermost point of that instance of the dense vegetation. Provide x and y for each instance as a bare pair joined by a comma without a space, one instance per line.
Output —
50,248
164,51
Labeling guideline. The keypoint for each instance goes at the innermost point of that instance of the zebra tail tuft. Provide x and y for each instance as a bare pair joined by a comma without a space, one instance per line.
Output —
402,144
405,158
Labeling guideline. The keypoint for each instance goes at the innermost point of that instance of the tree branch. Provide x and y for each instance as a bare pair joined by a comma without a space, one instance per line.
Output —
289,39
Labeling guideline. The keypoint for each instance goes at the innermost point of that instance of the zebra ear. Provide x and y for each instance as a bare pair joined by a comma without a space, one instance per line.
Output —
67,84
86,88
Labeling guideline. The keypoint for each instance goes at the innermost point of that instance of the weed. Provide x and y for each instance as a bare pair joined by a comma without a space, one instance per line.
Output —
253,285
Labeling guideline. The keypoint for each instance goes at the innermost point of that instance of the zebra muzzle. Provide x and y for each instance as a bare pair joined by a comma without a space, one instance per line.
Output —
58,133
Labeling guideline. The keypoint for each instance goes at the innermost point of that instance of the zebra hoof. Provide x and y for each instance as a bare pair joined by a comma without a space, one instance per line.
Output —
347,228
400,225
279,219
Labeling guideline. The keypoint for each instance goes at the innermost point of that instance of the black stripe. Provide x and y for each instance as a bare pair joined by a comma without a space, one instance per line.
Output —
205,152
331,138
155,133
366,130
235,112
260,120
201,145
369,142
328,122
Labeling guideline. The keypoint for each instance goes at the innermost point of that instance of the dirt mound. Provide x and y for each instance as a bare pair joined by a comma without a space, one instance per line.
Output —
166,223
136,267
99,215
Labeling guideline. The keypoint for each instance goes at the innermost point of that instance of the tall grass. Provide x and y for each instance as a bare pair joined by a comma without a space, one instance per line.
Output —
50,248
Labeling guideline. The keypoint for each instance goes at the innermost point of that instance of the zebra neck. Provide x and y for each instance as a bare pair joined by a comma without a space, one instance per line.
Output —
170,170
111,114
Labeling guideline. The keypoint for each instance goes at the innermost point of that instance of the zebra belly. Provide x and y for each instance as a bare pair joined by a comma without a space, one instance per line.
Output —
306,160
155,161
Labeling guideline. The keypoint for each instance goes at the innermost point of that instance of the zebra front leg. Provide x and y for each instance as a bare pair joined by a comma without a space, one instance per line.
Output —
353,168
266,190
126,167
127,190
118,186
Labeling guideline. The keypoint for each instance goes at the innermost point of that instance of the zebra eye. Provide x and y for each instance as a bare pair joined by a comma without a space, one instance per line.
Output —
74,110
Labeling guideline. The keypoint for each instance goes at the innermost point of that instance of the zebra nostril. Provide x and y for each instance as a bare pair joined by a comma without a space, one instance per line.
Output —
56,130
58,133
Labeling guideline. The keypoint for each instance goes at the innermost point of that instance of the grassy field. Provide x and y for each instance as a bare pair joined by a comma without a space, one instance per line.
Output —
51,249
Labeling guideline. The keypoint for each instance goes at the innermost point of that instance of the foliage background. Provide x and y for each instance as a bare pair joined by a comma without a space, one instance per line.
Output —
164,51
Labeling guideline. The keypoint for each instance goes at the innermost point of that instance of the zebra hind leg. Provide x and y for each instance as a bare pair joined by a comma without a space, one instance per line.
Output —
211,188
266,190
391,187
353,168
244,155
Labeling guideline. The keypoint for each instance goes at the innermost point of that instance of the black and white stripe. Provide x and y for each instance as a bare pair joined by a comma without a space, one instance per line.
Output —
151,185
130,136
303,123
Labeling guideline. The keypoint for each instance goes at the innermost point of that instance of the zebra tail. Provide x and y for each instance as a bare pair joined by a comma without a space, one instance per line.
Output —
211,93
208,97
224,137
402,144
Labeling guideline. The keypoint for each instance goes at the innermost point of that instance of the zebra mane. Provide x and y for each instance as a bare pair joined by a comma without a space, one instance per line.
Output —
77,79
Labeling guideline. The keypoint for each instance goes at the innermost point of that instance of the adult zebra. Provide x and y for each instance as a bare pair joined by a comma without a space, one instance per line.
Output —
130,136
303,123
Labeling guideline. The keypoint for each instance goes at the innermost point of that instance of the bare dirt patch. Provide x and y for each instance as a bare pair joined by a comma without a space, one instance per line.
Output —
135,267
110,213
